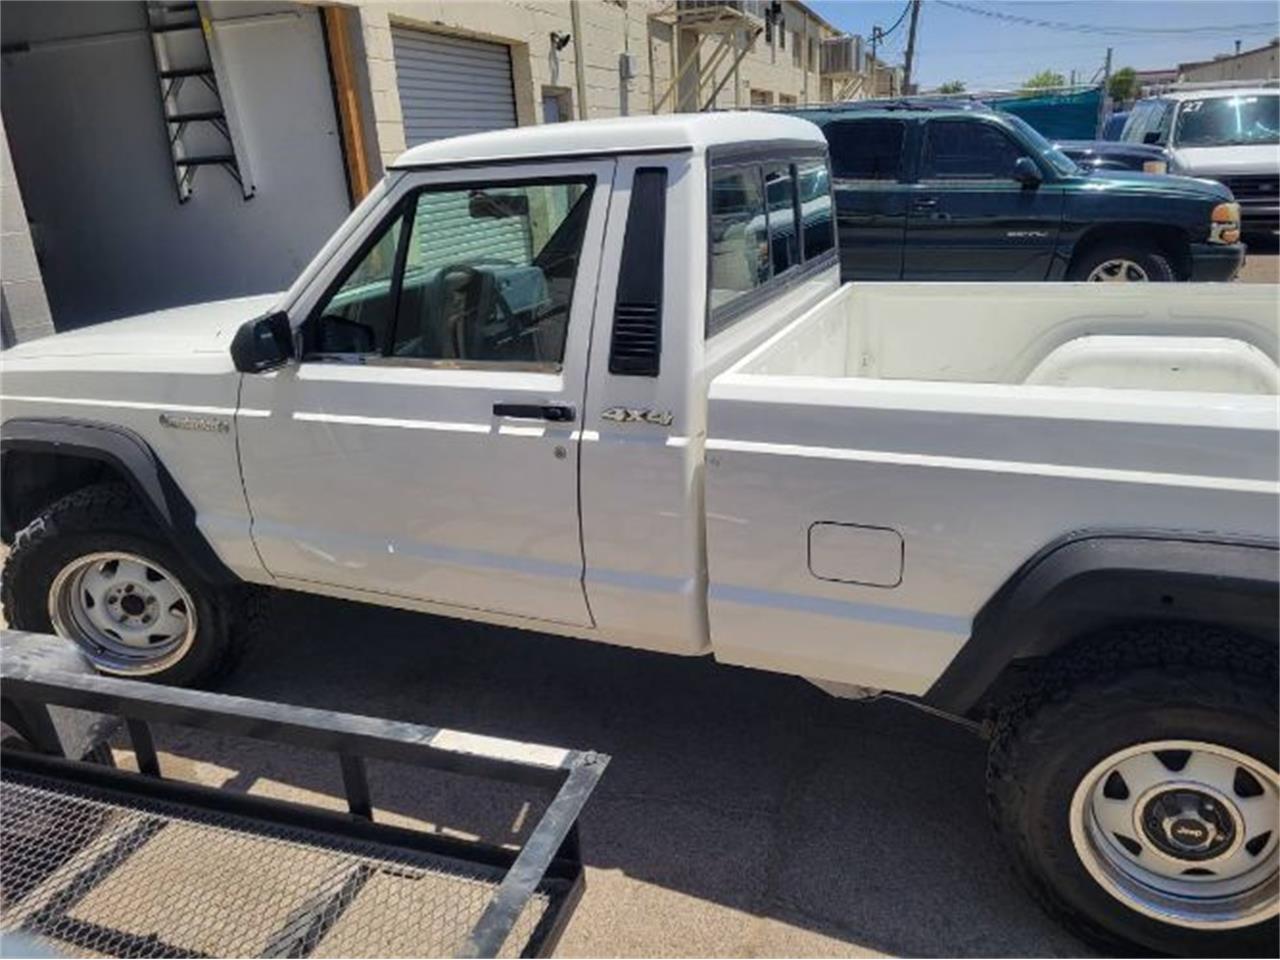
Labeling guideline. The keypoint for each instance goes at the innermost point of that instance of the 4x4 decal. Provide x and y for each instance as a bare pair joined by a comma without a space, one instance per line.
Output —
660,418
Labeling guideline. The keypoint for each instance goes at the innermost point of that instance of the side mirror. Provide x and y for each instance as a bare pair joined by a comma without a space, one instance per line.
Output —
1151,136
263,344
1026,172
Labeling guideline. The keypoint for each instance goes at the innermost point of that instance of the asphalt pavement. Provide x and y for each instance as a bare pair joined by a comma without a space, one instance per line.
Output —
743,814
1262,259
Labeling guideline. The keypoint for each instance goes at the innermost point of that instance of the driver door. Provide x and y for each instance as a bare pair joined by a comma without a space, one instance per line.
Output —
426,444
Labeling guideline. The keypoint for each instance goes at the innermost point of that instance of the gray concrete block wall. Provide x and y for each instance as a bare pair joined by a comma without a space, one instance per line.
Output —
24,308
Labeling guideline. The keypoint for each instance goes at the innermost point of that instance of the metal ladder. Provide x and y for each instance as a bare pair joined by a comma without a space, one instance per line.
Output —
199,117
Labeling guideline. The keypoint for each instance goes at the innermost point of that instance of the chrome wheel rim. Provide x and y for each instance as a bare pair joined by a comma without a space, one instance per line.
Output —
1182,831
128,614
1118,271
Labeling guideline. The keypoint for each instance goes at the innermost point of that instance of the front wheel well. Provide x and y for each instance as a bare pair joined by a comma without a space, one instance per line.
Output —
1169,241
34,479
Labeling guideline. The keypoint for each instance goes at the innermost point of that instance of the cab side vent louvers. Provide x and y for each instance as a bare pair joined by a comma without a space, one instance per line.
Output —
636,345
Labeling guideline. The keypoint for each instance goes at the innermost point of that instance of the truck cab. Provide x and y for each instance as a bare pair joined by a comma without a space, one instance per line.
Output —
940,190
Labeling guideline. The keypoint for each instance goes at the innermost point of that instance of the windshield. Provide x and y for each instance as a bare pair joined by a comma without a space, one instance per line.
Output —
1226,121
1060,162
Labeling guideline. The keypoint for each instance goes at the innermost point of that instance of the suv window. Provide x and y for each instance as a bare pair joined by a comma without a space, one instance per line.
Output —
1149,116
479,274
967,150
866,149
1229,121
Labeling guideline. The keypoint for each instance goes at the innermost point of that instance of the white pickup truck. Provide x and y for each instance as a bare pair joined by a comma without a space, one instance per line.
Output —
590,379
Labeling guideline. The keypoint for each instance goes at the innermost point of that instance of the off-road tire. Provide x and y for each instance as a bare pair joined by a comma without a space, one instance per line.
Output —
1134,686
105,517
1154,263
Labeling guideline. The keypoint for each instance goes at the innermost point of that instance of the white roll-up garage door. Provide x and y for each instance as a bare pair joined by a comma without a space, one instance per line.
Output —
450,86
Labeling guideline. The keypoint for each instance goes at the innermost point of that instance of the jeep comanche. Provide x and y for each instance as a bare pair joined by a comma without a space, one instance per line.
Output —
601,380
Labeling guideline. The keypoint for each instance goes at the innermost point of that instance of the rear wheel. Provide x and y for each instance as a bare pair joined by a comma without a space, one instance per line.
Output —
1143,808
1122,263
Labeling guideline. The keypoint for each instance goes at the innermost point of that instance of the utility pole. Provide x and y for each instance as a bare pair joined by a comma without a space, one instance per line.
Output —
1105,99
875,69
911,47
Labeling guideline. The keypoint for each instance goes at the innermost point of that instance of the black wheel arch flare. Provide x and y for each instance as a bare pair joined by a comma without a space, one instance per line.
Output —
1086,582
130,456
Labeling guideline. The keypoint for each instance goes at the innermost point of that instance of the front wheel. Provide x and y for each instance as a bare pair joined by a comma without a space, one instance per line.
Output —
1144,808
94,568
1122,263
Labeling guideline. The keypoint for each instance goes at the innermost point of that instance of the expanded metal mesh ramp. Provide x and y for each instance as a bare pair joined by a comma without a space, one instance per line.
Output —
96,861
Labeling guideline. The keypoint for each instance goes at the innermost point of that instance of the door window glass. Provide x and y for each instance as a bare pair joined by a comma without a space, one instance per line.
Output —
780,193
1138,122
485,275
866,149
739,233
967,150
358,317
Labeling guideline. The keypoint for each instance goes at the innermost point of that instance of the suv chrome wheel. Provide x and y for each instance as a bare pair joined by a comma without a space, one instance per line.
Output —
129,615
1182,831
1118,271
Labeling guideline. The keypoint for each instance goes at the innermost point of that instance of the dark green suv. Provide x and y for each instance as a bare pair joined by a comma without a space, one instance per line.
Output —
959,191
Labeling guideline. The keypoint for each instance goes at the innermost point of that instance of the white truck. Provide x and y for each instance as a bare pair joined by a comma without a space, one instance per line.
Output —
589,379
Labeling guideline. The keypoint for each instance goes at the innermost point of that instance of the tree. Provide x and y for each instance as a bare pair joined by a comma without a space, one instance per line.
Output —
1123,85
952,86
1044,79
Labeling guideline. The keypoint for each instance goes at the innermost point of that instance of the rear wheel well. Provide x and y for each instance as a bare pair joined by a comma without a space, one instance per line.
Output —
34,479
1179,646
1170,241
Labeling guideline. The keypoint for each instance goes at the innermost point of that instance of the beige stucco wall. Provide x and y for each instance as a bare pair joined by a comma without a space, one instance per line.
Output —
609,28
23,303
1253,65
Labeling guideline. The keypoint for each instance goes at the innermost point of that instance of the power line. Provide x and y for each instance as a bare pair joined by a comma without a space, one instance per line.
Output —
1098,30
897,23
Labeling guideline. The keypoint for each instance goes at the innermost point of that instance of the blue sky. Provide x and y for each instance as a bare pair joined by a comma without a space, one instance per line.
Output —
953,44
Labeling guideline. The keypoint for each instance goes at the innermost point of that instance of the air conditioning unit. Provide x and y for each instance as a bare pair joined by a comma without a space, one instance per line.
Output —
842,56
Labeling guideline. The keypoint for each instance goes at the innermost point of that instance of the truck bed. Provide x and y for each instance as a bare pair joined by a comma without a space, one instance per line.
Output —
877,469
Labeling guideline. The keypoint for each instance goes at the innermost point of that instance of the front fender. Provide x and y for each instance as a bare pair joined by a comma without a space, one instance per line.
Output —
130,456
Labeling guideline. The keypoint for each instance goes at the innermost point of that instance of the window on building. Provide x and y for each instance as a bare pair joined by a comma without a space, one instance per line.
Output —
557,104
813,54
797,48
967,150
761,98
739,233
476,275
786,100
866,149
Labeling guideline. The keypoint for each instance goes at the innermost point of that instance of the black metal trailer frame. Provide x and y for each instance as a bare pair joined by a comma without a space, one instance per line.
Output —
33,678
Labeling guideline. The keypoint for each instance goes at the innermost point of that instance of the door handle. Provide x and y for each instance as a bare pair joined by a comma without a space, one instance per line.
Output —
924,203
555,412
